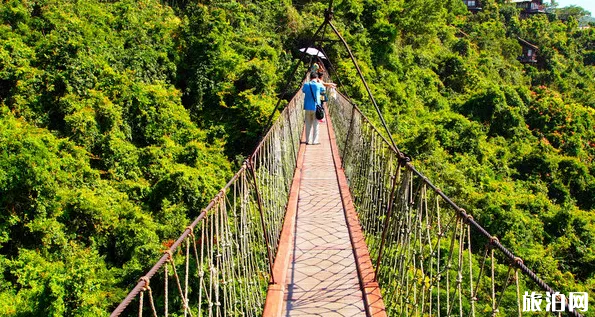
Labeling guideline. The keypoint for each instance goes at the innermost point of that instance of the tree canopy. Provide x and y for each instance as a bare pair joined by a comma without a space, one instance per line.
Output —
119,120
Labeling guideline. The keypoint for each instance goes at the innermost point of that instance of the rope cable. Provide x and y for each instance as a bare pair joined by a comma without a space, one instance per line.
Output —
232,254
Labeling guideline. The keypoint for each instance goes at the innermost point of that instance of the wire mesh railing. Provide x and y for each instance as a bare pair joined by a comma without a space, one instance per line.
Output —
431,257
221,264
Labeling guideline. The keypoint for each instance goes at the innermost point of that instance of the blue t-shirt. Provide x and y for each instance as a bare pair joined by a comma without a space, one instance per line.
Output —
309,101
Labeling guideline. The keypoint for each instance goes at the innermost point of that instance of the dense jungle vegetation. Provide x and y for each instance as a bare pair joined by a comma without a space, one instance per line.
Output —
119,120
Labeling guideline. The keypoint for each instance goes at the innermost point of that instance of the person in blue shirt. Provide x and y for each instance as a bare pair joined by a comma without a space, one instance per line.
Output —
312,91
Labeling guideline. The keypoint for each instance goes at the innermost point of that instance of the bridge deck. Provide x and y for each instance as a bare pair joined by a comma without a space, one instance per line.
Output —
322,277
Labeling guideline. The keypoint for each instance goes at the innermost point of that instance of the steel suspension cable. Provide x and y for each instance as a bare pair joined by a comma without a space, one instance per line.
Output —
290,78
438,254
359,72
230,259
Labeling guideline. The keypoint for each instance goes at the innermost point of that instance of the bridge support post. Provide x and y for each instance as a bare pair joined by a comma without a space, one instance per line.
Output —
250,167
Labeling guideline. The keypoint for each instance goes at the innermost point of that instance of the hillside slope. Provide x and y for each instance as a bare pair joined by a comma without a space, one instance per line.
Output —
119,120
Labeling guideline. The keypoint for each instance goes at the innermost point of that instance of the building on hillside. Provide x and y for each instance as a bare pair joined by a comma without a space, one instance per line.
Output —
473,5
529,7
529,54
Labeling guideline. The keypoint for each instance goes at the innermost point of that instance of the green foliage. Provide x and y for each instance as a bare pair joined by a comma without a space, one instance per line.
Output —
100,161
571,11
512,143
117,119
231,68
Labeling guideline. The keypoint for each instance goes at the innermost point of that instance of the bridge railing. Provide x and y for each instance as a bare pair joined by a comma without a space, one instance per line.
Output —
221,264
431,257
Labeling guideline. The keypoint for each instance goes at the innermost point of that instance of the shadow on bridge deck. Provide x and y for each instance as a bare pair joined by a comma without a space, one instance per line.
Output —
324,269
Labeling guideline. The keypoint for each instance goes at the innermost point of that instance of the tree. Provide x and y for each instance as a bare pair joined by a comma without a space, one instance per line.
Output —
573,11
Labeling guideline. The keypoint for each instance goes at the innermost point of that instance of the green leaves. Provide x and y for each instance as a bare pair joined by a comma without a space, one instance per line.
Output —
95,150
231,70
77,284
512,143
114,117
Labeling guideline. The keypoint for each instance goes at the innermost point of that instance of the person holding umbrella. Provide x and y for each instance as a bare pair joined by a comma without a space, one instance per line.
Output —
312,91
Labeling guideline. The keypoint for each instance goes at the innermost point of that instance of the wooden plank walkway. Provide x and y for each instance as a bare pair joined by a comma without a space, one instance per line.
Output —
322,278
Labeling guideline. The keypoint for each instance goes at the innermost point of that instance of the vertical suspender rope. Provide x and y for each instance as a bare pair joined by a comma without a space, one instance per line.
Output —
348,138
293,72
334,70
293,150
289,80
366,86
388,216
262,221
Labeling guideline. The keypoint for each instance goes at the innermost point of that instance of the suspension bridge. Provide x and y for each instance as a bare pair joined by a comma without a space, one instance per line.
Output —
348,227
344,228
